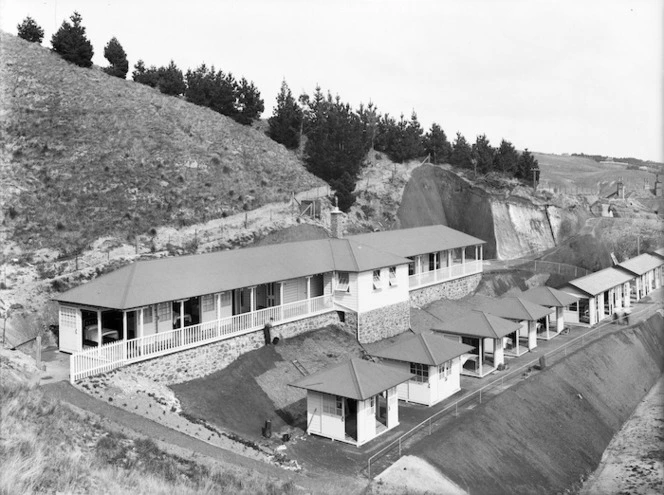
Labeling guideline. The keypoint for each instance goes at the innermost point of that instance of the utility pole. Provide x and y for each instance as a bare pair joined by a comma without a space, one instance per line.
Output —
535,170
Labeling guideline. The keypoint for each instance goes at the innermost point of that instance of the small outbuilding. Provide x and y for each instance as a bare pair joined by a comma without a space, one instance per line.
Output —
601,294
520,310
555,300
353,402
487,335
432,359
647,271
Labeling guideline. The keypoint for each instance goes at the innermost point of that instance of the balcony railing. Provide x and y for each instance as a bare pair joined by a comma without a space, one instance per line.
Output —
114,355
444,274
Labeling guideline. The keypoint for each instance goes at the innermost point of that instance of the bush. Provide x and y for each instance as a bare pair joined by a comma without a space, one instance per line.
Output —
30,31
116,56
71,43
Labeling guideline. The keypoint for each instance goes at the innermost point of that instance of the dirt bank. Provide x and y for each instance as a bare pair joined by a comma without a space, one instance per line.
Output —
547,433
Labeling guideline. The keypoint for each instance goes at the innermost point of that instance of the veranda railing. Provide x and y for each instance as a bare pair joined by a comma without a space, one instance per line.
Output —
114,355
443,274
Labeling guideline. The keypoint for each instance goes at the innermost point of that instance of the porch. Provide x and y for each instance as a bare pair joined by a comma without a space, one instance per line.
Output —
471,366
106,357
435,276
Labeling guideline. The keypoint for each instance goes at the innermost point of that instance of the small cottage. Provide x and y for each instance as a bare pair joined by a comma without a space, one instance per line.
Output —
353,402
489,337
433,360
554,299
647,274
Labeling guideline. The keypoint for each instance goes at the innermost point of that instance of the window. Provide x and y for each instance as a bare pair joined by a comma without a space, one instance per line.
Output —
411,267
421,372
208,302
574,306
332,404
434,261
342,282
164,311
393,276
444,370
147,314
377,283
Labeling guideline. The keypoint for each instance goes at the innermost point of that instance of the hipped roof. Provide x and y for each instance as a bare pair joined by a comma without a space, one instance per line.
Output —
355,379
418,240
601,281
548,296
425,348
479,324
516,308
641,264
659,252
170,279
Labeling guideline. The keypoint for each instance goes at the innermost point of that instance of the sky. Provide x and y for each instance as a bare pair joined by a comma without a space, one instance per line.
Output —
554,76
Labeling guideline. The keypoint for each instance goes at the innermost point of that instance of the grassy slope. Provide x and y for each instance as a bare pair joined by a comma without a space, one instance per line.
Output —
85,155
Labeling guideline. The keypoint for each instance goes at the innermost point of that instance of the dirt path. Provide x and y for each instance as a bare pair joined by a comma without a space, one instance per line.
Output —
65,392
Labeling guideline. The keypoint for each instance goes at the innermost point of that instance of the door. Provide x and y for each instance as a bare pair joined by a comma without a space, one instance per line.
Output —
70,338
271,296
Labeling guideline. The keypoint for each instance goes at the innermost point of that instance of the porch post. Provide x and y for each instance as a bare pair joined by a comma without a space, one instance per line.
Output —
481,355
181,323
281,300
626,295
155,312
252,305
217,313
124,335
463,260
308,294
99,332
546,323
498,352
141,330
532,335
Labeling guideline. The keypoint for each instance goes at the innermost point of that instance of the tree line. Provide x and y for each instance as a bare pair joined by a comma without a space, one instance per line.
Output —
337,138
203,86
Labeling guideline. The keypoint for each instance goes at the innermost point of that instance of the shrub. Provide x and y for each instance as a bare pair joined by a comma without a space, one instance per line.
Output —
116,56
71,43
30,31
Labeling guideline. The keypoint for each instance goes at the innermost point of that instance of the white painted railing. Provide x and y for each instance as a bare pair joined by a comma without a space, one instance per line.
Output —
114,355
443,274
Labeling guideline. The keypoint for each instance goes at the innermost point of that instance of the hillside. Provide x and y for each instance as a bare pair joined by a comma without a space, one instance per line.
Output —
86,155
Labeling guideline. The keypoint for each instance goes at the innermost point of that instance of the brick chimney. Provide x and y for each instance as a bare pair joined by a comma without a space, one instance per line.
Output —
336,221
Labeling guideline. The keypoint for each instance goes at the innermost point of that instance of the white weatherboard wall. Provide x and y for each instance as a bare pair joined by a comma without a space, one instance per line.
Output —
348,298
370,298
428,393
321,423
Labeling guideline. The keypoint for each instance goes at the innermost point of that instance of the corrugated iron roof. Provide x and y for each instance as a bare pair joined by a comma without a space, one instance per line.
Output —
171,279
424,348
515,308
548,296
601,281
355,379
641,264
659,252
417,240
479,324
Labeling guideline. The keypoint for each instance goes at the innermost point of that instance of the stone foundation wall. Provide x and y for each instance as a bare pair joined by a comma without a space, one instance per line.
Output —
453,289
201,361
383,322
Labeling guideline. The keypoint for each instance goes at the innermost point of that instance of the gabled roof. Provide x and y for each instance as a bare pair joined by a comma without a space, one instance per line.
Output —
418,240
479,324
355,379
171,279
601,281
548,296
641,264
515,308
424,348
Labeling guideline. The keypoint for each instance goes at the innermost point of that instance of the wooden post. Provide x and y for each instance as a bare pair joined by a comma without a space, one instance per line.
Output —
181,323
99,332
124,335
38,349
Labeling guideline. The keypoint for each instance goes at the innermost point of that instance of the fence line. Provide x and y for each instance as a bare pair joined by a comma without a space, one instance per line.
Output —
537,266
476,395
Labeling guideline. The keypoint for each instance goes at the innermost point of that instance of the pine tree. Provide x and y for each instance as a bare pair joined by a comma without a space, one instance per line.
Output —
116,56
213,89
436,145
286,121
249,103
71,43
171,81
144,75
30,31
369,117
461,155
506,158
526,164
483,153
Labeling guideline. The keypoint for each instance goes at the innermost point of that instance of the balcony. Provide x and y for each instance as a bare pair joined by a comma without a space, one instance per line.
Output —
114,355
424,279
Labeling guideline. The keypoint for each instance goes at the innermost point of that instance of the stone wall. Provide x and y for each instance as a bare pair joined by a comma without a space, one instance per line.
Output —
201,361
453,289
383,322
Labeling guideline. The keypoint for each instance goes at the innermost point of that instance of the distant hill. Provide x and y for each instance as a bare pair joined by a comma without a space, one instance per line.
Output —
85,154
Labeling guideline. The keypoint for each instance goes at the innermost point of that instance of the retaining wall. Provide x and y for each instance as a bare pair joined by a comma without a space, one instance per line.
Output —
453,289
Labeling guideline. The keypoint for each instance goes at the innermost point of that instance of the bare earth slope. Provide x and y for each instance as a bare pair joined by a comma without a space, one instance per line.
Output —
85,155
545,434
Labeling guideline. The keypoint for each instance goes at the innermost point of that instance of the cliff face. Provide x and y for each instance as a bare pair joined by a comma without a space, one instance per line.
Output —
512,226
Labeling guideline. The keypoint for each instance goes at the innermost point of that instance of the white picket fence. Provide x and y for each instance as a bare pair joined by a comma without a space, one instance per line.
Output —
108,357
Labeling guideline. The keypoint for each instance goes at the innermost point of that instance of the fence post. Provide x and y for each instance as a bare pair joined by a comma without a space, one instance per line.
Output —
399,446
429,426
369,467
456,409
480,396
